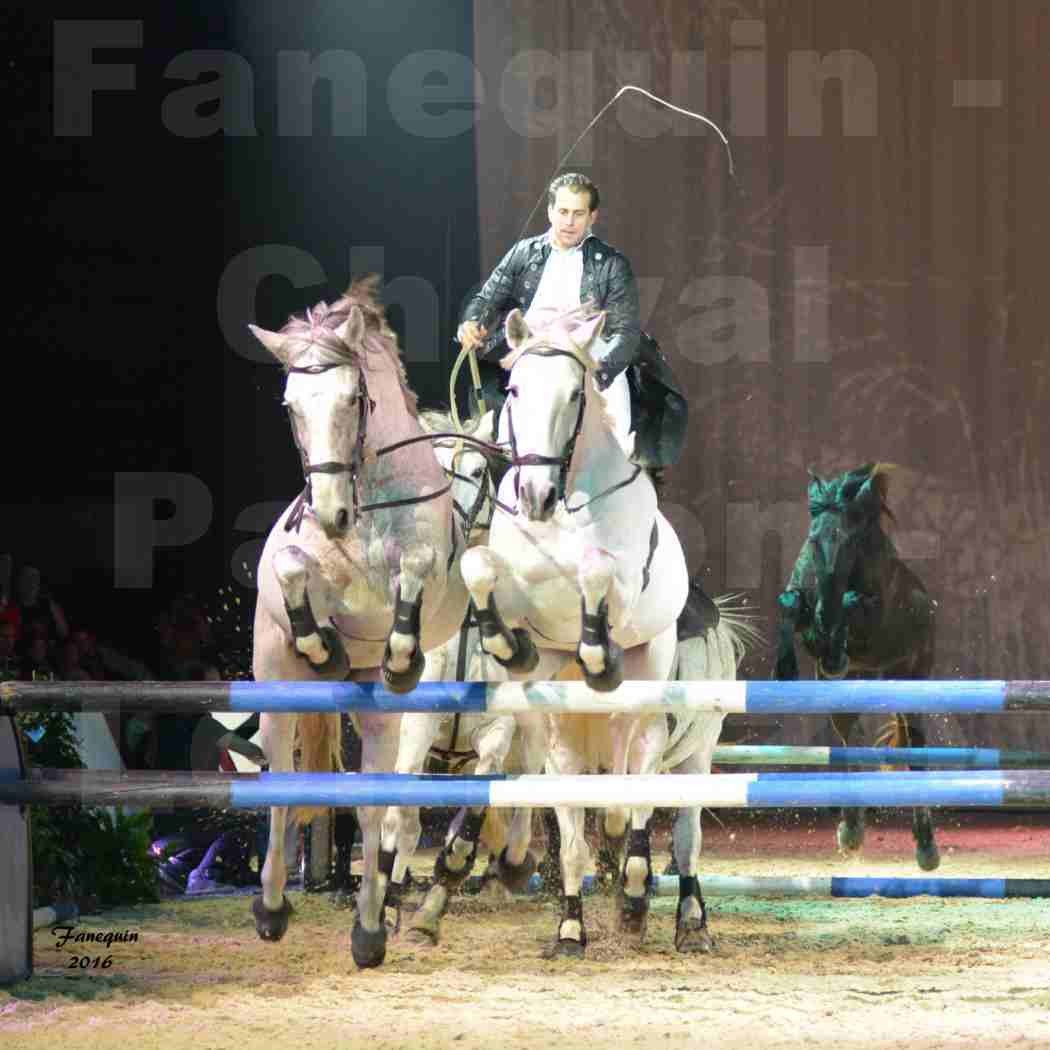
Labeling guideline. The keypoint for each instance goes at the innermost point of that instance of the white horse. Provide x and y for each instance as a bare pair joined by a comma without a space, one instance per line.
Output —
479,744
589,566
359,576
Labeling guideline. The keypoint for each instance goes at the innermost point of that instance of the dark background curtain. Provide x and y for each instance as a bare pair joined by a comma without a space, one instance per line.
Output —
869,287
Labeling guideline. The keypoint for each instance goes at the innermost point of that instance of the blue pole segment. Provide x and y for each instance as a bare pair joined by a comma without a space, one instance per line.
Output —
876,697
346,790
370,697
903,790
896,887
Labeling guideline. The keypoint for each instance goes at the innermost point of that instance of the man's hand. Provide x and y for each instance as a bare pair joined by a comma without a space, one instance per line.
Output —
471,335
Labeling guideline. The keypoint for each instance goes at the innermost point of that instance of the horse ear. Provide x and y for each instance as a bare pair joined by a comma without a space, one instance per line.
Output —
816,483
517,331
486,430
273,341
352,330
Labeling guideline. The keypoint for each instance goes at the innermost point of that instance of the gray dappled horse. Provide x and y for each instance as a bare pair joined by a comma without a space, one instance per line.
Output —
358,577
860,612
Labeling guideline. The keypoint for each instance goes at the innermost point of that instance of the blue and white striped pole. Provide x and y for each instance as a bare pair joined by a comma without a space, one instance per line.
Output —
1022,789
730,697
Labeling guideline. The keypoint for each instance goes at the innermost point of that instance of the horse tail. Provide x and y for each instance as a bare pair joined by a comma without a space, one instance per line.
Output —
319,739
714,655
894,733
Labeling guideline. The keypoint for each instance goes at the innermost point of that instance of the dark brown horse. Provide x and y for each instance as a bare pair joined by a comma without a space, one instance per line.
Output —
861,613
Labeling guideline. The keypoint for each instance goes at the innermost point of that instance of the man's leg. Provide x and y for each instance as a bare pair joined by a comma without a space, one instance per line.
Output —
618,405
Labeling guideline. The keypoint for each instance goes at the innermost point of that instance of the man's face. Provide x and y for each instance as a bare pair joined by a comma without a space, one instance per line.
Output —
571,217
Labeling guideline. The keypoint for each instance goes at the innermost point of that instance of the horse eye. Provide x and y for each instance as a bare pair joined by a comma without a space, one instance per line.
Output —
512,391
477,472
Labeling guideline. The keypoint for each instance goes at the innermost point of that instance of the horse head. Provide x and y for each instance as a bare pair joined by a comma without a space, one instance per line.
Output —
467,465
845,513
546,399
326,396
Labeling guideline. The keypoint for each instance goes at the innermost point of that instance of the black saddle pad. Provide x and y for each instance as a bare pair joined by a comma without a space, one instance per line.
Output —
699,616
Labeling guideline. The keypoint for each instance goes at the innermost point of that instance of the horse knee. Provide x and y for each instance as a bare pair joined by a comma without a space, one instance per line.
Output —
291,567
596,573
417,564
480,570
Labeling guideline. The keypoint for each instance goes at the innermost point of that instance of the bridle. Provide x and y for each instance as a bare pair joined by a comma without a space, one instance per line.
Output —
535,459
564,461
365,407
468,516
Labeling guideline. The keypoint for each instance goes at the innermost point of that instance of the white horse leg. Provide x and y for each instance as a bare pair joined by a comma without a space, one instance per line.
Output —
403,660
639,744
482,569
320,646
401,825
691,933
516,864
456,859
599,656
568,755
646,740
379,740
271,909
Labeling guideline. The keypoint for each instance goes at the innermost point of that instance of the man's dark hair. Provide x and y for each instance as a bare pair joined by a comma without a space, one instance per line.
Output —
575,182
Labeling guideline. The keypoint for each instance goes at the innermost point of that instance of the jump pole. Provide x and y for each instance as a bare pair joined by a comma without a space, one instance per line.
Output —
728,697
833,886
1015,789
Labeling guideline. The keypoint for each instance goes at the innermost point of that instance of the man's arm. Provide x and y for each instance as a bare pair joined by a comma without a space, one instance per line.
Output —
496,295
622,331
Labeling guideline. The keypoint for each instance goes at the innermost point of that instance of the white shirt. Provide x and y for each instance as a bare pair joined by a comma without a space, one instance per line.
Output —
559,287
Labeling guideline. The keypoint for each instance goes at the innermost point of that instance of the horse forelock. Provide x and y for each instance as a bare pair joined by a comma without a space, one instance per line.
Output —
316,331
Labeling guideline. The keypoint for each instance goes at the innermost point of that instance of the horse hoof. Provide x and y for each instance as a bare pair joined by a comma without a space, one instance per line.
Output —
368,948
405,681
691,938
341,899
567,948
526,656
515,877
928,857
271,925
608,681
634,916
850,836
422,935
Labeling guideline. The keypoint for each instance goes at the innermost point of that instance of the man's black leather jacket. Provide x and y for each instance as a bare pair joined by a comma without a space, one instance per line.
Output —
607,279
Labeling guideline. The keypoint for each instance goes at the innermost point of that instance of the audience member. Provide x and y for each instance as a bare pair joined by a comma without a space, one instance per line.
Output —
8,655
42,616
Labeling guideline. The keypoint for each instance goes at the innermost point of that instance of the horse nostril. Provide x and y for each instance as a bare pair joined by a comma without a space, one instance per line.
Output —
549,500
342,519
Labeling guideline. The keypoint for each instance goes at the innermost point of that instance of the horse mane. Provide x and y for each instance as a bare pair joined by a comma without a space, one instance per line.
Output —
317,328
880,479
557,334
436,419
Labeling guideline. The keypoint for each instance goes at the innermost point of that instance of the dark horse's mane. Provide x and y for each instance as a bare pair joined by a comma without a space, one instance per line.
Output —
318,325
847,484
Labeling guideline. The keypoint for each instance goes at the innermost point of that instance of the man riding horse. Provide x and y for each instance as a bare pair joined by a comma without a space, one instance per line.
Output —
548,275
